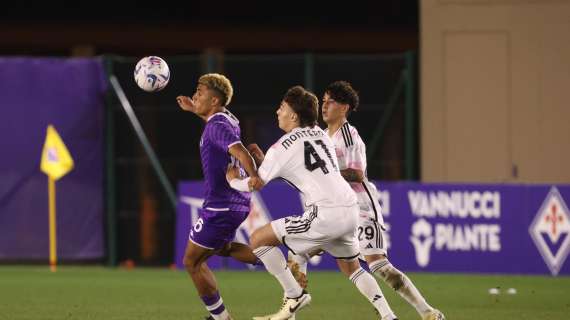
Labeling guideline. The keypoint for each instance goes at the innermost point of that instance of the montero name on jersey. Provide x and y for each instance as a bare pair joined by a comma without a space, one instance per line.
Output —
299,134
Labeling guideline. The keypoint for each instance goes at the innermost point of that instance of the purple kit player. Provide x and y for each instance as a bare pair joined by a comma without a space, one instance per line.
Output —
224,208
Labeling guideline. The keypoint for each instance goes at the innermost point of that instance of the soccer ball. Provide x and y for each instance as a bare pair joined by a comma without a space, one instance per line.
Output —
152,73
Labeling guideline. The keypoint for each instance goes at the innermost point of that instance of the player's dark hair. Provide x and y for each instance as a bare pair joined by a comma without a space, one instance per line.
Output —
342,91
305,104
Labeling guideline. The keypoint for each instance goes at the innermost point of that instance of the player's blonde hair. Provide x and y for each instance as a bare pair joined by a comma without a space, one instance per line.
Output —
220,84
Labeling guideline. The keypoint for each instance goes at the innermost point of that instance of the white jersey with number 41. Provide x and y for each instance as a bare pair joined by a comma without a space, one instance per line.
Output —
305,157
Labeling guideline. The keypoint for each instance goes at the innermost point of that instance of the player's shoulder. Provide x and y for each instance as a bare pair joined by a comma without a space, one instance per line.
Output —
286,142
349,135
224,117
280,149
221,120
294,139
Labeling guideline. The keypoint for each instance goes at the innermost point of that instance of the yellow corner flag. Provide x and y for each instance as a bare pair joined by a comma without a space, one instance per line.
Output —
56,162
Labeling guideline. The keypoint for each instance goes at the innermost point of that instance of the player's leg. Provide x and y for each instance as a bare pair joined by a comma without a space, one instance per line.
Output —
381,267
211,232
366,284
373,247
298,264
239,251
293,232
345,248
264,243
195,263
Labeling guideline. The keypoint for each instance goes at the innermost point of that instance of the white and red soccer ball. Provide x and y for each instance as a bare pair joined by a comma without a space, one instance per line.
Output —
152,73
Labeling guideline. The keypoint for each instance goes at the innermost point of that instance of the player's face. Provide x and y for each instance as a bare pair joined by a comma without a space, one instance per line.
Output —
332,110
286,117
203,100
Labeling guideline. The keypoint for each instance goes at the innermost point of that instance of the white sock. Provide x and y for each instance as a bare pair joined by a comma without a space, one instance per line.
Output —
370,289
222,316
215,305
275,263
301,260
401,284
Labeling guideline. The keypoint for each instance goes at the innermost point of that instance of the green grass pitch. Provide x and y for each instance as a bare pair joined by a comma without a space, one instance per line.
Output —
146,293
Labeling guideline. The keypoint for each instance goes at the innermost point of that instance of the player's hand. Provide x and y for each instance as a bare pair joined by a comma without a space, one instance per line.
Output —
232,173
256,153
186,103
255,183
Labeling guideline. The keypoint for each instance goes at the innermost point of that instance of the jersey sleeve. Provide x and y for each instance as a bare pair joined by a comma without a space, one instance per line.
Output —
271,166
223,136
354,157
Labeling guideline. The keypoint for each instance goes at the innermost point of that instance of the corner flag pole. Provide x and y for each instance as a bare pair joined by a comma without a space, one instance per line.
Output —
52,231
56,162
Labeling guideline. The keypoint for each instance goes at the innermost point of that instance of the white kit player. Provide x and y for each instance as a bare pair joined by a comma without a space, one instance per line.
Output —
305,158
338,101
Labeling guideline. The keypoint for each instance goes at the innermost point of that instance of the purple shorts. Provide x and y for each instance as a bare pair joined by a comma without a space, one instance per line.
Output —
214,229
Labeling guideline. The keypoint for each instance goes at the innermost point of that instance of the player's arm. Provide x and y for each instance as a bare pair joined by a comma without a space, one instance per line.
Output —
352,175
236,181
268,170
256,153
352,161
239,152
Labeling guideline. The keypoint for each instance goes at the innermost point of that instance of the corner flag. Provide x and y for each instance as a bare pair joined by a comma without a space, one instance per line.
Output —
56,162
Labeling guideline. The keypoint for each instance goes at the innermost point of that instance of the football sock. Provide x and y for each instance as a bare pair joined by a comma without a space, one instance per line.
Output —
215,305
370,289
275,263
401,283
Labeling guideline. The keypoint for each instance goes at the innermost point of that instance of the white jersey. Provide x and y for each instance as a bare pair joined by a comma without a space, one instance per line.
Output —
305,157
351,154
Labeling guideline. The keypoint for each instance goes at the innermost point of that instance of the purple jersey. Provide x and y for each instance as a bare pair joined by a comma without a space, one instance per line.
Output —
221,132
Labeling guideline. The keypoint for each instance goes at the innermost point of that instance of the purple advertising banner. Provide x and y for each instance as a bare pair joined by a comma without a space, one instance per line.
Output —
69,94
483,228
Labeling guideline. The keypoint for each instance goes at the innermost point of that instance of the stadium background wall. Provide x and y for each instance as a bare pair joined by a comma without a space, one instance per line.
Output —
136,219
494,98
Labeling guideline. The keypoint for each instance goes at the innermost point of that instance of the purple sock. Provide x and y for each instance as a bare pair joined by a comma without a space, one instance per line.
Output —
214,303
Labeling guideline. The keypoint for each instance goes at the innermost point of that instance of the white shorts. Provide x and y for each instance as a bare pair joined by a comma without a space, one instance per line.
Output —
330,229
370,235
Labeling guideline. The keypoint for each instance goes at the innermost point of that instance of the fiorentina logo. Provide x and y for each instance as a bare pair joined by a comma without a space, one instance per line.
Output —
550,230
